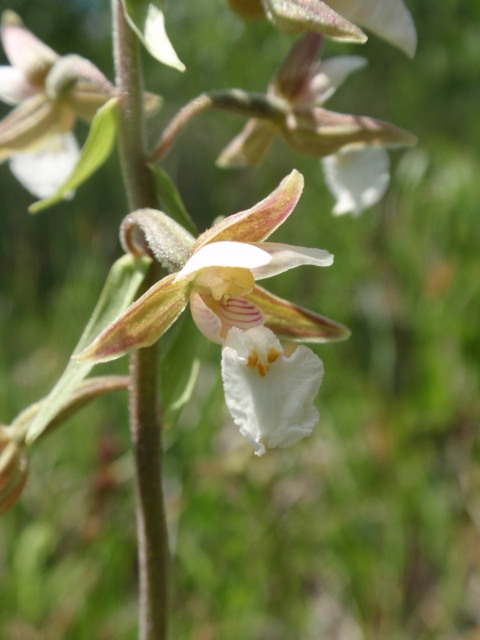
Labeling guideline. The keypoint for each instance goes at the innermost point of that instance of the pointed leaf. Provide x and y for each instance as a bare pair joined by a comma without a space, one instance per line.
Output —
172,199
289,321
122,283
141,324
257,223
83,393
147,20
94,153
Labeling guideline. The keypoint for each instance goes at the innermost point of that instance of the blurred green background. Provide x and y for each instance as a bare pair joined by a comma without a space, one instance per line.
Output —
370,528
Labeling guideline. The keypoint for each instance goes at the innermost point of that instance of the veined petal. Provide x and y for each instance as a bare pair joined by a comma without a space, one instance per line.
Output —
358,178
224,254
331,74
24,50
14,86
294,16
248,148
47,166
389,19
216,320
292,322
257,223
269,395
142,323
288,256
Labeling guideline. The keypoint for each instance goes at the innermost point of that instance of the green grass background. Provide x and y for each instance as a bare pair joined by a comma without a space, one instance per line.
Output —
368,530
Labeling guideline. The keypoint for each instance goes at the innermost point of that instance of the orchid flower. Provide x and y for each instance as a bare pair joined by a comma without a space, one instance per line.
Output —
355,162
218,278
50,92
337,19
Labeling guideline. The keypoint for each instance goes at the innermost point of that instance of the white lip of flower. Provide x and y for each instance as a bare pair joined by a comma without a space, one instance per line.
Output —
269,395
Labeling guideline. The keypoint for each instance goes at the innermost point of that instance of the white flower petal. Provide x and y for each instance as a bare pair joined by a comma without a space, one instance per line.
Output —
358,178
287,256
269,395
45,168
331,74
389,19
14,86
225,254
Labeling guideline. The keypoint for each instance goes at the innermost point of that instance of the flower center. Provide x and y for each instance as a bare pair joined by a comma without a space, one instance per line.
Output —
262,363
223,282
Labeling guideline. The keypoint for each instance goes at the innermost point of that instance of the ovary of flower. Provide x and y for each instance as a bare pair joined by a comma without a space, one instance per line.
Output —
270,395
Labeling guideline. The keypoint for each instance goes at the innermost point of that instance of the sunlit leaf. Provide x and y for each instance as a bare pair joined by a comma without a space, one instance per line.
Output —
122,283
147,20
95,151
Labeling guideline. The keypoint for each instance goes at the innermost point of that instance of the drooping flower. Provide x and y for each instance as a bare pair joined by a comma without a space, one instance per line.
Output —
218,279
337,19
353,147
49,92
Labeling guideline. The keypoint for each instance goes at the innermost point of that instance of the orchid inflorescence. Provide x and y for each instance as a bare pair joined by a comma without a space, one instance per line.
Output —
269,383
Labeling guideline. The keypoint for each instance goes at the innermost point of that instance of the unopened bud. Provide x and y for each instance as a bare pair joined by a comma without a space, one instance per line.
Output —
13,469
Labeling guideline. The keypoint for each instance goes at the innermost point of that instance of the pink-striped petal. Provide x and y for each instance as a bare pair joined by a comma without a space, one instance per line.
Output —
24,50
216,320
287,256
206,320
289,321
257,223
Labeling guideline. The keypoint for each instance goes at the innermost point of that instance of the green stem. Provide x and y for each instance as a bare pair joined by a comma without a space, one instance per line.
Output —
144,416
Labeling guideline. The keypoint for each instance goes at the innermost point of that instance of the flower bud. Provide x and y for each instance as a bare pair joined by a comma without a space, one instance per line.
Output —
13,469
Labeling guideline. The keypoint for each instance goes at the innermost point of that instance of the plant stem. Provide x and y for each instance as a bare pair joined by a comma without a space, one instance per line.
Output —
144,415
253,105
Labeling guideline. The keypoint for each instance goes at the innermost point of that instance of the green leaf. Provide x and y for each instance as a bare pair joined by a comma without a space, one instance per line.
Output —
147,20
95,151
122,283
172,199
83,393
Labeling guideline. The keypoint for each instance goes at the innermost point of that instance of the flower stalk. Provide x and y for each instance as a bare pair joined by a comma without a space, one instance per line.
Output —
143,401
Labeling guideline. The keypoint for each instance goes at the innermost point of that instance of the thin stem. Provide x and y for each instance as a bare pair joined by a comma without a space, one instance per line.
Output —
144,415
254,105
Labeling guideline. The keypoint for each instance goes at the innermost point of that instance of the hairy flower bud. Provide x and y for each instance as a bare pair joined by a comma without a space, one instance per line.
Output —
13,469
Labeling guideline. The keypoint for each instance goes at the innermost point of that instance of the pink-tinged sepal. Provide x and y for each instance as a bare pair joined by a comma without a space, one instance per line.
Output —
24,50
292,322
257,223
296,70
14,86
319,132
30,123
249,147
294,16
142,323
